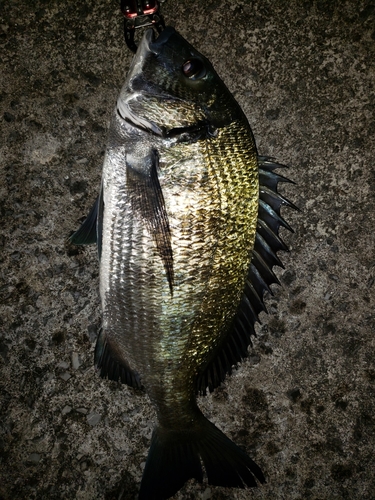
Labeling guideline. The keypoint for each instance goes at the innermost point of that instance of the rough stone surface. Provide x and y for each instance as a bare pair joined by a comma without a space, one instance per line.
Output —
302,404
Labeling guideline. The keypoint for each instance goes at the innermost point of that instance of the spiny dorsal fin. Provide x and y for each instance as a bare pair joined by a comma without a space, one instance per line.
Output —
260,277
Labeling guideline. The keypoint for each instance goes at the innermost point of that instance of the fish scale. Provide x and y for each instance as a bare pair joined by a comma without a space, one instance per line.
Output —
187,225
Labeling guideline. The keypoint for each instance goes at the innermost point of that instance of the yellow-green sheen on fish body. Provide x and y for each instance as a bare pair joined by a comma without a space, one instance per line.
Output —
187,225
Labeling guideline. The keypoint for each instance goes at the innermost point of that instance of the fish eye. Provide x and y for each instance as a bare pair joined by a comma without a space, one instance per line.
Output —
194,69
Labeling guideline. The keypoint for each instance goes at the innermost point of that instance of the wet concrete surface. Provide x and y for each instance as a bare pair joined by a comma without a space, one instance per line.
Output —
302,404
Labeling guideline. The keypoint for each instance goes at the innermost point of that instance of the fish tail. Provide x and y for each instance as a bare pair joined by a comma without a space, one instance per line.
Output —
176,456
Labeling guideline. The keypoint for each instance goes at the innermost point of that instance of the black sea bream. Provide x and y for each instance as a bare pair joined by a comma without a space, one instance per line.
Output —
187,228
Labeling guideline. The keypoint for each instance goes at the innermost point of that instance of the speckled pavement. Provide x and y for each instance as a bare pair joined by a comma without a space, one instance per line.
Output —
302,404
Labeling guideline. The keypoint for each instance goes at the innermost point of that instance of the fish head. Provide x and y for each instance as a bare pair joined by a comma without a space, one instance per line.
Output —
171,87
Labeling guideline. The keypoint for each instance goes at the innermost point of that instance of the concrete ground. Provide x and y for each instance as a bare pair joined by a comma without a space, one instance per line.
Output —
302,404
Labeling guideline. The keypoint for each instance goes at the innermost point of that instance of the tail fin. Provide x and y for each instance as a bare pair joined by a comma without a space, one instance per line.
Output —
175,457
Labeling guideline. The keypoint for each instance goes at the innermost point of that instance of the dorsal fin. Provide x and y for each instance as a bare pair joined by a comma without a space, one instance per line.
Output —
267,243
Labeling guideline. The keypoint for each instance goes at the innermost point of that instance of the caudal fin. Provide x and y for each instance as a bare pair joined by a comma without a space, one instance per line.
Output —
176,456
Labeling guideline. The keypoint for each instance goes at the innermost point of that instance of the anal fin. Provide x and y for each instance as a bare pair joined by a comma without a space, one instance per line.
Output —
111,364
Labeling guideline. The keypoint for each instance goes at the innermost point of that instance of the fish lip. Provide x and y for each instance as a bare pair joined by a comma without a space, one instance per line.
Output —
162,39
140,57
147,40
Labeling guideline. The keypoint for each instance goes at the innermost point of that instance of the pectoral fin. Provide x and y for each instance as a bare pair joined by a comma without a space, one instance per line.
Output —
147,200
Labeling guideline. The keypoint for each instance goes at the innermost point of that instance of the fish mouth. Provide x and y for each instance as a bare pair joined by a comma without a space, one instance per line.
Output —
131,93
163,38
147,40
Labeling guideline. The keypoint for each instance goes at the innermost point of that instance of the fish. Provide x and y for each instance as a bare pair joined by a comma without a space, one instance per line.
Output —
187,227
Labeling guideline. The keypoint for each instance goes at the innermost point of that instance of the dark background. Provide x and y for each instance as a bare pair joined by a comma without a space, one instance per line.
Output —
302,404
